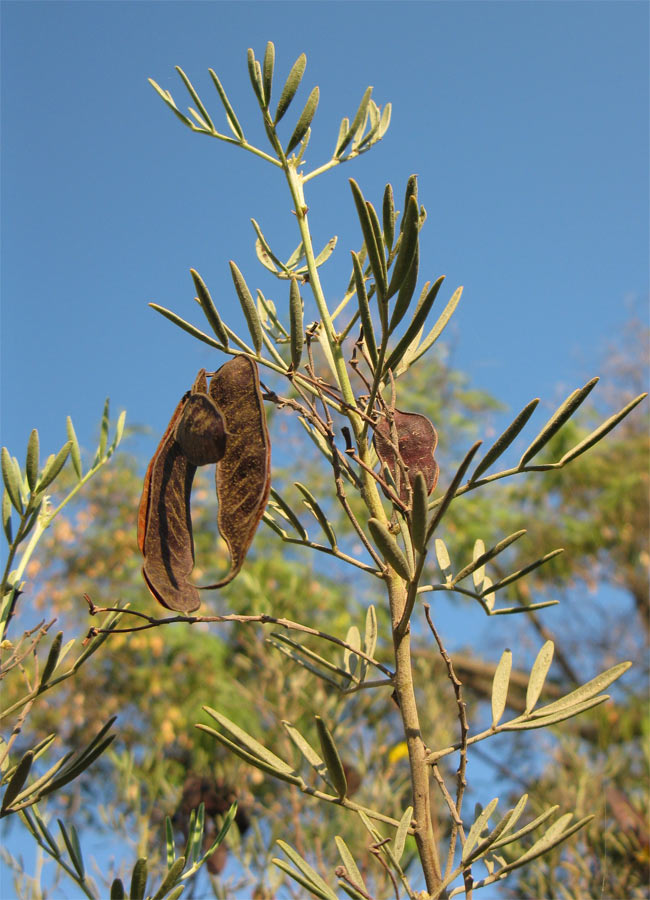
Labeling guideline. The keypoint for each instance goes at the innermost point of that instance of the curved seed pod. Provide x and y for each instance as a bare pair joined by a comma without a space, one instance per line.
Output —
243,473
417,440
200,430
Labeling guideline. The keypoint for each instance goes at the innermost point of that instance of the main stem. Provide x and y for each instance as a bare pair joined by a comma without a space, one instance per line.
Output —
405,694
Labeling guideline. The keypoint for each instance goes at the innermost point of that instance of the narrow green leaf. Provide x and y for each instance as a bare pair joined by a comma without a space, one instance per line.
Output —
233,121
326,252
310,654
389,548
384,122
402,831
267,71
170,878
547,843
375,257
75,452
419,512
407,248
503,442
255,74
500,684
53,466
515,576
364,309
601,431
406,291
357,122
535,823
248,307
585,691
119,431
295,656
389,217
486,555
52,660
290,86
538,675
502,825
209,309
478,575
296,320
6,516
349,863
167,98
332,758
306,869
45,831
370,636
305,120
537,721
307,750
248,742
190,329
350,659
562,414
18,779
303,880
415,325
440,325
170,846
289,514
31,462
76,859
450,493
76,767
193,94
117,890
196,836
321,518
225,828
442,555
474,833
12,483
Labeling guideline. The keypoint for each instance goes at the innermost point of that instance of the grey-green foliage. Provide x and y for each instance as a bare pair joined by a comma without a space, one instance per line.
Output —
394,541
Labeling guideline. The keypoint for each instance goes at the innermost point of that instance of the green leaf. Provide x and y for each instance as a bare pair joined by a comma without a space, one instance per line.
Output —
307,750
486,555
406,291
357,122
537,721
475,831
500,684
193,94
307,871
556,834
301,879
267,71
585,691
332,758
296,320
167,98
103,431
415,325
350,659
389,548
388,217
248,742
233,121
515,576
170,846
321,518
517,835
538,675
294,654
53,466
440,325
285,509
450,493
75,452
190,329
364,309
562,414
370,635
503,442
6,516
170,878
601,431
31,463
117,890
326,252
209,309
248,307
304,121
349,863
442,555
402,831
375,256
225,828
72,844
408,244
52,660
12,483
17,781
290,86
419,512
255,74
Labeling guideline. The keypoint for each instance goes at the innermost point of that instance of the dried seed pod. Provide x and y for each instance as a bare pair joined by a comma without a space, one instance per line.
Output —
416,441
244,472
200,429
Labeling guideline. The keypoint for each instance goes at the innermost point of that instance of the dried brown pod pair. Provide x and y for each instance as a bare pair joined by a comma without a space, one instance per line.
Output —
416,440
225,424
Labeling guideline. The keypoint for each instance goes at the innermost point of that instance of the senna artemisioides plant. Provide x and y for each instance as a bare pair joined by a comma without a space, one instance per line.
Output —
342,367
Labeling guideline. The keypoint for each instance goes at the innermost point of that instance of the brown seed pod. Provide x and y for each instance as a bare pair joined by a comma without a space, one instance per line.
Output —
226,426
244,471
416,440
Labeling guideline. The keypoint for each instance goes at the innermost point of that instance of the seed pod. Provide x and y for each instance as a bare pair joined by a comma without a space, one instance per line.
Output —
416,440
200,430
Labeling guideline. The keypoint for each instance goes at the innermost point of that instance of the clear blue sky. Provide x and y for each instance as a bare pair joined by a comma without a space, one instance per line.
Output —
527,123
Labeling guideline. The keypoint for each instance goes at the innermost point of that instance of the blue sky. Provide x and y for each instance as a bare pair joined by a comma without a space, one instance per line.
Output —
527,123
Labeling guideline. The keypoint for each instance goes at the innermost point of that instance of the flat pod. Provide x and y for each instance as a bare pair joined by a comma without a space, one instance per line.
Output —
165,523
417,440
200,430
244,472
